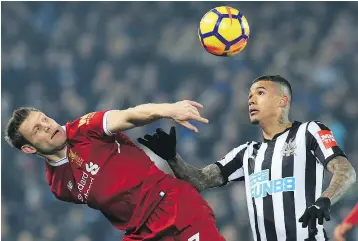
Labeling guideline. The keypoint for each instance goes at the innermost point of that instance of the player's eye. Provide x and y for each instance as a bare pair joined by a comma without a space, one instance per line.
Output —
261,92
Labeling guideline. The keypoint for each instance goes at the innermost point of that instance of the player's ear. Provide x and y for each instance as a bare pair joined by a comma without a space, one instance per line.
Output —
284,101
28,149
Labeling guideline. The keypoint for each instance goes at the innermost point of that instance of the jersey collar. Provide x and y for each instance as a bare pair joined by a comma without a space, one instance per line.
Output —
294,124
58,163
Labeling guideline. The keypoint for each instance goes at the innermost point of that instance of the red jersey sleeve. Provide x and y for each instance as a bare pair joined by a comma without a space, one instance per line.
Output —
93,124
353,216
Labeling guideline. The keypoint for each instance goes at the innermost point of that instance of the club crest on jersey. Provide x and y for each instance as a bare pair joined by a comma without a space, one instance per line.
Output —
327,138
289,148
70,185
85,119
74,158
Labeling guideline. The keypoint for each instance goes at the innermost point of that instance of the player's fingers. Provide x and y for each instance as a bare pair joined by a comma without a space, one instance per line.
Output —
155,138
188,125
304,220
312,221
302,217
160,132
148,137
320,218
196,104
327,216
143,142
172,131
198,118
194,110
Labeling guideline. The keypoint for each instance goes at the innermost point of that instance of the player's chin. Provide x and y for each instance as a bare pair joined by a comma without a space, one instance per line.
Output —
61,145
254,120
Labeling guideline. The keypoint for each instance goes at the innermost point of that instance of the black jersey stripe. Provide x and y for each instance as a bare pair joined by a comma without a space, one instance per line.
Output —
267,200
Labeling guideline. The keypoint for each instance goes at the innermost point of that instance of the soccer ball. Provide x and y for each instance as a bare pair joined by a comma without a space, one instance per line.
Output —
224,31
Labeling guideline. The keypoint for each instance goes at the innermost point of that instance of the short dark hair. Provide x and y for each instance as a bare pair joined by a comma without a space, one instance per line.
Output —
12,133
276,79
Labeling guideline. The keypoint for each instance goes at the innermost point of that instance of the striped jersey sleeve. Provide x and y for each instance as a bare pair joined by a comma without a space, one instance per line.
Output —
321,142
231,165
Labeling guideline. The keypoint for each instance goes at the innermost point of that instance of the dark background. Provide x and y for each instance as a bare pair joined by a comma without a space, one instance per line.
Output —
72,58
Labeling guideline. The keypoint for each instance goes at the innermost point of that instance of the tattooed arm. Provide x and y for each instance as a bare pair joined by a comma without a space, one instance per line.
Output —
343,178
202,179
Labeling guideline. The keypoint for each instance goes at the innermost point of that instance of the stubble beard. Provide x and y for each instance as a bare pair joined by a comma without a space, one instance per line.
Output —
254,122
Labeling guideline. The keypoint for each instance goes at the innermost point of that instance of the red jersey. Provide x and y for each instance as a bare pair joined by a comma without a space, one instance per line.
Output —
353,216
107,172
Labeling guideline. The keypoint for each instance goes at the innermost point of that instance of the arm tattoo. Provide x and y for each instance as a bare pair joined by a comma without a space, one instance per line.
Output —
343,177
202,179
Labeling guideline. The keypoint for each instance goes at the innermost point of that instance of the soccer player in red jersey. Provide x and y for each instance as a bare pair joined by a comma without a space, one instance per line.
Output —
90,161
348,223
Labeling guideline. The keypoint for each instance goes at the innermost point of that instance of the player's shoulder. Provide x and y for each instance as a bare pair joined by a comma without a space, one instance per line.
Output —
247,145
316,125
83,120
93,123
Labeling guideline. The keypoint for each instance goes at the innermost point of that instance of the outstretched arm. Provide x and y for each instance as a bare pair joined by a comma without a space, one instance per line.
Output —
181,112
202,179
343,178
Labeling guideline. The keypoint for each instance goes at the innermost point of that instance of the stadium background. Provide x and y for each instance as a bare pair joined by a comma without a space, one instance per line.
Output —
71,58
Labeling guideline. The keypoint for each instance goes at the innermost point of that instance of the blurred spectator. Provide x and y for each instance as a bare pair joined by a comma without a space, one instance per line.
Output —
69,58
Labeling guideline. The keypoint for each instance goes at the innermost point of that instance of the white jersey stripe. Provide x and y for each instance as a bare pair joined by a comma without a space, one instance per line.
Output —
259,201
237,174
250,207
105,124
300,193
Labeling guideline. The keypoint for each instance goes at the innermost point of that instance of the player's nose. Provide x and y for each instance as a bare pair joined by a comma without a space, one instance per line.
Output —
251,101
47,127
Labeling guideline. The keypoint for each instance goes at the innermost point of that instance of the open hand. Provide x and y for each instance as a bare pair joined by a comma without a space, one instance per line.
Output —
319,211
186,110
161,143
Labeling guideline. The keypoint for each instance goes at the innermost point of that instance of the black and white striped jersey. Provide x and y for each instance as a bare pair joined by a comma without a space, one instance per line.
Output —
283,177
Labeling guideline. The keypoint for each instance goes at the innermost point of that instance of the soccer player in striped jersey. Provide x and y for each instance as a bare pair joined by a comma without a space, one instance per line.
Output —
283,173
348,223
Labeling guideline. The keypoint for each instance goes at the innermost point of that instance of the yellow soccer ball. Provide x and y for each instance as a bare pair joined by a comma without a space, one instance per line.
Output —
224,31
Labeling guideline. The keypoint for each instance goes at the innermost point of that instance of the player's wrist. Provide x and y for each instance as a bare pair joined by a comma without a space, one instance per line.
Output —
165,110
347,224
323,202
174,158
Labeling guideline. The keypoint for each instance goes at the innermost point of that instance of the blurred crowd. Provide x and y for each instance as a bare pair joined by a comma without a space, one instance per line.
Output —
70,58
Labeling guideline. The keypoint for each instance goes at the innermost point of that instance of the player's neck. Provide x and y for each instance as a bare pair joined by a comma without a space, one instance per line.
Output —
271,128
57,156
